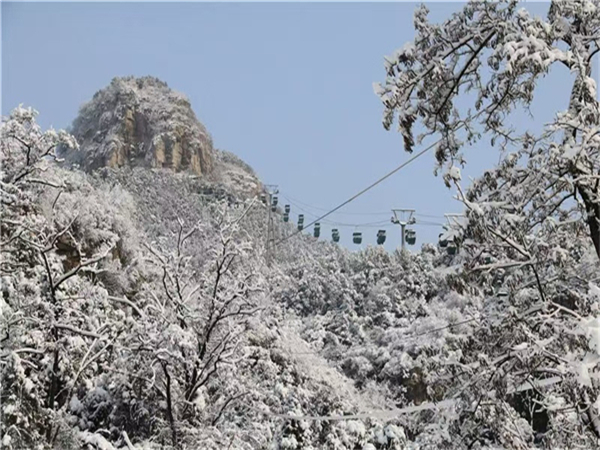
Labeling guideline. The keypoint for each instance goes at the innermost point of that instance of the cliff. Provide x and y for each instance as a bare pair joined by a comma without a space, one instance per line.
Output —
141,122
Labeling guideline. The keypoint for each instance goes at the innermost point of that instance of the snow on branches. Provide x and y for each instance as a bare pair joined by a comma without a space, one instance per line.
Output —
531,239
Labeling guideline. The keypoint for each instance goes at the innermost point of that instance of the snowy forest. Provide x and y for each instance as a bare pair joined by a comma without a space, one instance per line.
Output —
142,307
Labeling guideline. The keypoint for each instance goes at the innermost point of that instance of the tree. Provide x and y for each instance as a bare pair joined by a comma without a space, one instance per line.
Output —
497,53
192,321
56,321
532,228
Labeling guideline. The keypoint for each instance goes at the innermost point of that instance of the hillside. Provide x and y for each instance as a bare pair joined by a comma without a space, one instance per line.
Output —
139,310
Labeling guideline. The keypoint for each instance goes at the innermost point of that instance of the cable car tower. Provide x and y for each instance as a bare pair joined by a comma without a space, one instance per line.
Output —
271,201
405,217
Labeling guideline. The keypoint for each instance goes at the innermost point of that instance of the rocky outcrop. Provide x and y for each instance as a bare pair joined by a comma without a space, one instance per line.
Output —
141,122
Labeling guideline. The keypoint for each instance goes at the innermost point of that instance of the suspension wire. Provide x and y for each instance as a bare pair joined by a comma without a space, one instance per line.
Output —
381,223
331,222
428,222
425,224
371,186
341,224
462,124
429,216
297,203
359,225
294,201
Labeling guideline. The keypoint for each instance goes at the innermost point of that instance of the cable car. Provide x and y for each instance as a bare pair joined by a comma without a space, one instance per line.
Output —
274,200
442,242
317,230
263,198
273,208
286,217
357,237
410,236
287,209
380,237
451,248
335,235
300,222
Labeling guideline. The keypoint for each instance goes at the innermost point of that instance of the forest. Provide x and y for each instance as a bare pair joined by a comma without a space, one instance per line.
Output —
142,309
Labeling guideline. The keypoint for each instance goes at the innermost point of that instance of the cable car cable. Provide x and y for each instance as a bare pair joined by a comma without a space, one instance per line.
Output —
383,178
342,224
429,216
297,202
371,186
306,205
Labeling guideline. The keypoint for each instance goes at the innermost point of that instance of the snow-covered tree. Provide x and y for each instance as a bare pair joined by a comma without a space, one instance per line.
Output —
496,53
56,320
531,239
190,323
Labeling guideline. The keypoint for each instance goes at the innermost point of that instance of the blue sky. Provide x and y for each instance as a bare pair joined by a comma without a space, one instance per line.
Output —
286,86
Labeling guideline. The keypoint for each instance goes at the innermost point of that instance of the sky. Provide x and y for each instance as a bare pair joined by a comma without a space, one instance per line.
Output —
285,86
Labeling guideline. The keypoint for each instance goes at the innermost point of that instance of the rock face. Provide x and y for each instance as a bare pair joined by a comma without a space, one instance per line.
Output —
141,122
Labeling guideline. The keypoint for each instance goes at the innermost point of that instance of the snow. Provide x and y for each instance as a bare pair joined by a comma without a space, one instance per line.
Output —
591,329
378,89
75,405
536,384
356,427
200,400
97,440
454,173
289,442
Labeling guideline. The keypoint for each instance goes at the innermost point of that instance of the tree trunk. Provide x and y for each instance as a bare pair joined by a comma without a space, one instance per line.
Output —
593,215
170,405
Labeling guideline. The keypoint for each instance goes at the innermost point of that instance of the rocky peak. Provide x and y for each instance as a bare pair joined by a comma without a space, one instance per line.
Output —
141,122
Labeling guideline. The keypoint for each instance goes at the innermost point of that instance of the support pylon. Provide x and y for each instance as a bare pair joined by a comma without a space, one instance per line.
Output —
403,217
451,218
271,189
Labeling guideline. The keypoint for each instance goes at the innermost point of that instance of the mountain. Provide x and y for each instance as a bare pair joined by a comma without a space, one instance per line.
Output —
141,122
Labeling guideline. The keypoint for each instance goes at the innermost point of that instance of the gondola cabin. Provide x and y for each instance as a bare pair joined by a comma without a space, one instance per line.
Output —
451,249
410,236
335,235
443,243
317,230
